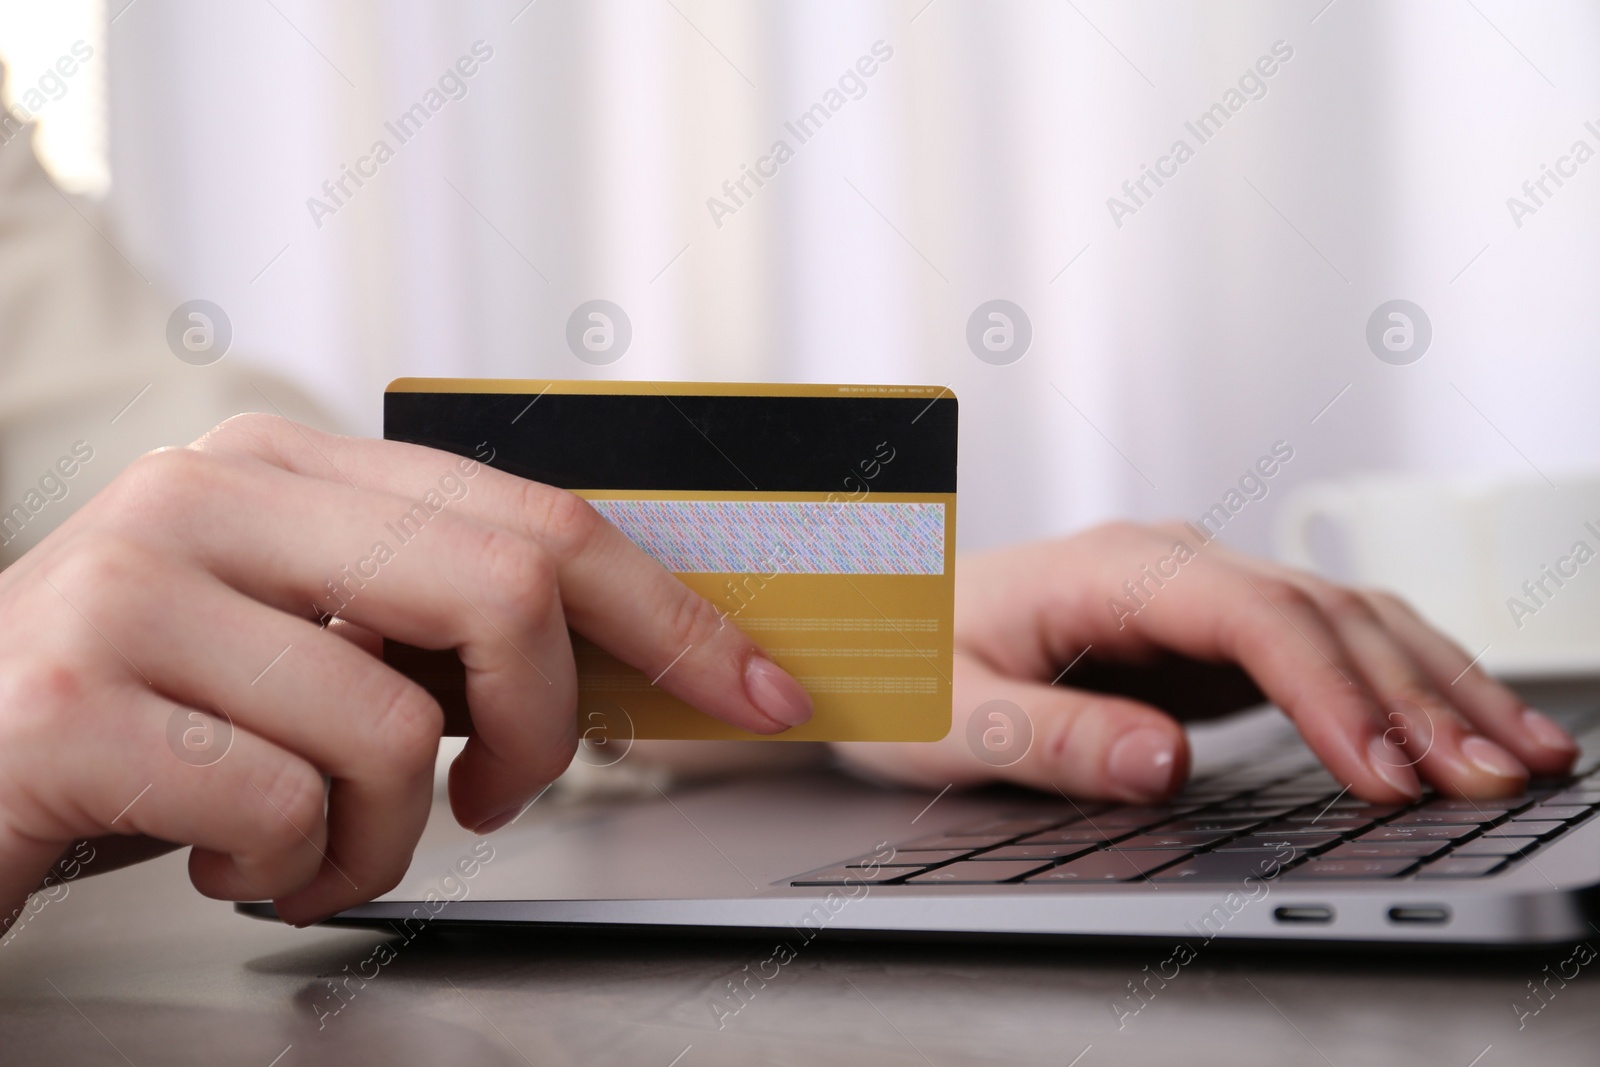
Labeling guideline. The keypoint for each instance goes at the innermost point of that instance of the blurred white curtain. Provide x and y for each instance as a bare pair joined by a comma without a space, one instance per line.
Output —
1169,352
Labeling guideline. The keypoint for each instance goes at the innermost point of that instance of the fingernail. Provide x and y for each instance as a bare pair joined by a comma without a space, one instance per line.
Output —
1546,731
775,692
1390,764
489,826
1491,758
1141,762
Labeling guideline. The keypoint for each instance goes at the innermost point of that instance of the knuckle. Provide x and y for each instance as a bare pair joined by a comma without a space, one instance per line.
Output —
1090,725
1121,532
1284,595
1385,602
568,523
291,807
1077,730
1171,530
37,700
1257,626
407,728
1414,697
99,569
692,617
1345,605
519,576
168,479
246,431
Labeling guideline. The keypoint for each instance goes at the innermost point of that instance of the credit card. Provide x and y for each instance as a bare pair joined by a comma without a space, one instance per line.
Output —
819,519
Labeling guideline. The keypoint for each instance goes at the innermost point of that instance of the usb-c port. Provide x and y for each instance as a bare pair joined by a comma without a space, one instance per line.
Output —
1304,913
1434,914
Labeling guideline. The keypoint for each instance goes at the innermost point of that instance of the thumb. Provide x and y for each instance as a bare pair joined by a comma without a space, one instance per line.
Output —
1087,745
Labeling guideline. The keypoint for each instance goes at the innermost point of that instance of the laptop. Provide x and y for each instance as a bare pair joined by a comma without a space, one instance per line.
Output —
1262,845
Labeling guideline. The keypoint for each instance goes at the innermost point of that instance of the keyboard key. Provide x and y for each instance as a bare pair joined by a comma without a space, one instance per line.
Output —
908,859
1263,808
1325,826
1485,808
1073,835
972,872
1011,827
849,876
1353,850
1354,811
1306,774
1588,798
1417,833
1124,822
1309,777
1462,867
1223,867
1083,809
1497,846
1106,867
1159,840
1202,824
1259,815
1346,869
1564,812
1351,802
1269,842
1300,794
1527,829
945,842
1152,813
1034,852
1442,818
1271,862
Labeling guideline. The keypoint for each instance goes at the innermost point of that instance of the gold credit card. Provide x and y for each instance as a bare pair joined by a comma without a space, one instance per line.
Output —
820,519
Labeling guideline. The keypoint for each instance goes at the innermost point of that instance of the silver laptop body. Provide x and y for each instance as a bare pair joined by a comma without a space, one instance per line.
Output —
772,855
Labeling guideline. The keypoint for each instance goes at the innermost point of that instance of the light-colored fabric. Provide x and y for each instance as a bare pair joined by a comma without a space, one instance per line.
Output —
1178,331
84,362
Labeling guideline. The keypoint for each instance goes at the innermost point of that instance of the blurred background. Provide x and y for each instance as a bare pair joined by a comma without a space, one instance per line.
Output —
996,152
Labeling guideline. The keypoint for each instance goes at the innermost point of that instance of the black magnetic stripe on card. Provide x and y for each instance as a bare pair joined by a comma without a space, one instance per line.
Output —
698,443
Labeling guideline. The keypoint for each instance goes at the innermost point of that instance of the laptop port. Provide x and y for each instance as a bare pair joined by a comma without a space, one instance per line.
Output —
1304,913
1433,914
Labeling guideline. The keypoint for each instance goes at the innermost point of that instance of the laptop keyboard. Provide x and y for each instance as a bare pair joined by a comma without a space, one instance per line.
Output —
1285,819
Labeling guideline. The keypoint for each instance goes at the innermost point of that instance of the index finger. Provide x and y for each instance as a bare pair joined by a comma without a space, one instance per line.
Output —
1274,630
612,592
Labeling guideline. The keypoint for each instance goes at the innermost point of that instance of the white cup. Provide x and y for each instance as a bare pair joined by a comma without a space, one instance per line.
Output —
1509,568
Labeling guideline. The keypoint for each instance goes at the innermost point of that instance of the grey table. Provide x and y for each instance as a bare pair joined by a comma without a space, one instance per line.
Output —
134,967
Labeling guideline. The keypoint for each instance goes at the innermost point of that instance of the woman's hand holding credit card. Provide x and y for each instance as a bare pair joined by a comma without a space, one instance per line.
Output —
194,651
